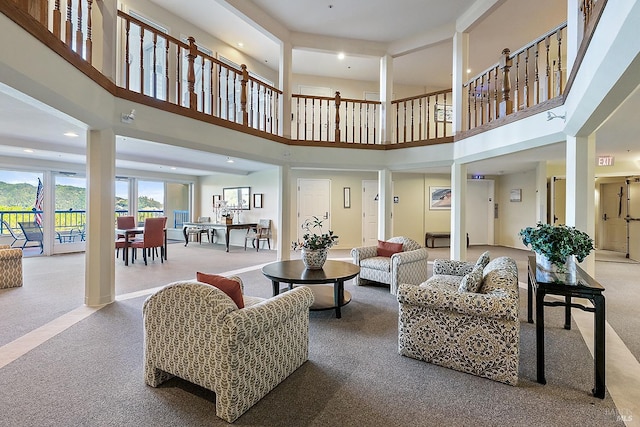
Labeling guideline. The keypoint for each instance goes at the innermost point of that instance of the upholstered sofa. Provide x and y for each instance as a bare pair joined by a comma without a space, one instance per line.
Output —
473,332
196,332
408,266
10,267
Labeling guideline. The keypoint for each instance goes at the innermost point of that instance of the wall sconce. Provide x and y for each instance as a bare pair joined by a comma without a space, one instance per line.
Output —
128,118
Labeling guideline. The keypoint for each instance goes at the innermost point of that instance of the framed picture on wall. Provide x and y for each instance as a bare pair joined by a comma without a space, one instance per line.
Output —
443,113
439,198
257,200
515,195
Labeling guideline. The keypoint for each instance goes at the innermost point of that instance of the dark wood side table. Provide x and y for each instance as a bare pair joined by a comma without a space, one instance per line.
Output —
586,287
294,271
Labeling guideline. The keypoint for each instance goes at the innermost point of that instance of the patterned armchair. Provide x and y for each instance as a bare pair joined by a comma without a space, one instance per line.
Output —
196,332
473,332
408,266
10,267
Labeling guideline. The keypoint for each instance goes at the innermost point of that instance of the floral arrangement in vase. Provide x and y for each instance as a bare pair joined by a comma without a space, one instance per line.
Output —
314,246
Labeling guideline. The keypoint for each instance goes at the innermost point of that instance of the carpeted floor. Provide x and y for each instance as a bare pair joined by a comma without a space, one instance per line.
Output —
91,373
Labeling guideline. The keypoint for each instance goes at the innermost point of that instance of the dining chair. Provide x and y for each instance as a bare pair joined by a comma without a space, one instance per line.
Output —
122,223
261,232
198,231
152,237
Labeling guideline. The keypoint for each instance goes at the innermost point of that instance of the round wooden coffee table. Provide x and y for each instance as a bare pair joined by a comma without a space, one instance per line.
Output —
336,272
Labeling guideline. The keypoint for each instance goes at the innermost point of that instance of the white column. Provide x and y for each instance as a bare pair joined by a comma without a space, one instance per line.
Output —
580,202
541,192
459,76
385,200
386,92
458,214
284,213
100,248
284,83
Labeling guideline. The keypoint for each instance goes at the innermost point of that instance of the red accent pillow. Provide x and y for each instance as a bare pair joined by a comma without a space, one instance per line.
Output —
387,248
228,286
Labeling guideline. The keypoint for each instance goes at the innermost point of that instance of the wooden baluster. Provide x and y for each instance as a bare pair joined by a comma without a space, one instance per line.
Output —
353,122
404,121
506,105
243,95
89,42
305,118
69,25
375,114
191,74
202,88
367,123
327,117
154,67
220,111
536,78
420,121
547,77
484,111
142,60
79,36
558,85
427,125
496,105
444,124
469,95
397,107
127,56
166,70
525,91
212,91
337,103
412,120
57,19
516,90
179,75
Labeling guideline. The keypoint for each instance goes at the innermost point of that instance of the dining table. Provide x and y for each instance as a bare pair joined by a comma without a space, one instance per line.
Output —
128,233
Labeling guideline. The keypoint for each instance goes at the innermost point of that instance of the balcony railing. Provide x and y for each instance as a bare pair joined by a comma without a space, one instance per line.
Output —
162,71
65,220
525,78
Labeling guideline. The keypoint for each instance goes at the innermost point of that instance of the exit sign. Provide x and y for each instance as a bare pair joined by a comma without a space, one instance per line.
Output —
605,161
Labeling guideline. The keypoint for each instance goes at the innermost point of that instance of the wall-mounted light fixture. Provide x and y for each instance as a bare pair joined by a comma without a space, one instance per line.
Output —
128,118
551,115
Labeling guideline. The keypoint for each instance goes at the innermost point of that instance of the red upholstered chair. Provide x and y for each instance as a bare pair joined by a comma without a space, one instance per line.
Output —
153,237
122,223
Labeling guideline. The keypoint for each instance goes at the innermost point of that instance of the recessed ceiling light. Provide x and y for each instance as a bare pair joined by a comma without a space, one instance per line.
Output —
240,44
341,55
28,150
468,70
229,160
71,134
173,168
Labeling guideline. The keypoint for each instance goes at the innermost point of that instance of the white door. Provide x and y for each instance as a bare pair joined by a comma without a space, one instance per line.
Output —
613,198
314,199
369,213
479,211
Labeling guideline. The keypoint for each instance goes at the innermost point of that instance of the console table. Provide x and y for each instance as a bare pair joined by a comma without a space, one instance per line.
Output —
217,226
586,287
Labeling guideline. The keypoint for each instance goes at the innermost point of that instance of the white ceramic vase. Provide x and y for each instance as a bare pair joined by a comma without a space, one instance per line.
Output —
549,273
314,259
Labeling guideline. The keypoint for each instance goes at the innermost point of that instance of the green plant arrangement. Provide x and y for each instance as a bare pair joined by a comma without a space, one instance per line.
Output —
312,240
557,242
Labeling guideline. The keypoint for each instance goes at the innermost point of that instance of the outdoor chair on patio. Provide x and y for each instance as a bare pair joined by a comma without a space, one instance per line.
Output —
14,235
32,233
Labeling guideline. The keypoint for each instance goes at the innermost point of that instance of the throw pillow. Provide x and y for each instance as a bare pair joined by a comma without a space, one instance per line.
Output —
472,281
228,286
483,260
387,248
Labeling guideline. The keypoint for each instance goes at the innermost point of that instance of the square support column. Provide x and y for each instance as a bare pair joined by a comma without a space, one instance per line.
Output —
458,214
100,257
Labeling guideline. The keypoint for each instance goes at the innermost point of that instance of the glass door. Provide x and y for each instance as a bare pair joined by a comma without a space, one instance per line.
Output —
70,201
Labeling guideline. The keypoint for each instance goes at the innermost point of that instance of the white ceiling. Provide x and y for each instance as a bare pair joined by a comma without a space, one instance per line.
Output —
410,30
